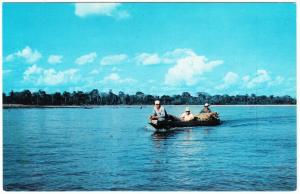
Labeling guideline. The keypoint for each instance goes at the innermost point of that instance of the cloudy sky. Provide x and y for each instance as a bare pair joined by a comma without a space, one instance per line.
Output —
157,48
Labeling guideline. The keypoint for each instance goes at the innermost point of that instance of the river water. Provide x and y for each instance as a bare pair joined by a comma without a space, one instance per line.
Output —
113,148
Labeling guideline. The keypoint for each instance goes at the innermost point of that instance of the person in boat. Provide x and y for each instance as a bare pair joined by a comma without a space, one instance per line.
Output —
206,109
187,115
159,112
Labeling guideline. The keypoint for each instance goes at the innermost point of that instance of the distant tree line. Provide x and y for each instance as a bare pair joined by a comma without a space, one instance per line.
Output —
95,97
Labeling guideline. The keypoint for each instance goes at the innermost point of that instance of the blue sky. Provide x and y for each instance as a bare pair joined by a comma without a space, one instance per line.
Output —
157,48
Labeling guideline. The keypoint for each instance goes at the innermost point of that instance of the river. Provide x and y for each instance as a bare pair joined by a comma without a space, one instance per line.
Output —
113,148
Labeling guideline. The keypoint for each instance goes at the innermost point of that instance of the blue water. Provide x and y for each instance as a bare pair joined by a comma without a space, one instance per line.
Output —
110,148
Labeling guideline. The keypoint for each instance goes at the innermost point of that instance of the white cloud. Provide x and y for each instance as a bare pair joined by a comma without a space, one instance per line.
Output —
116,69
40,76
94,72
54,59
166,58
53,77
32,70
259,80
188,69
175,55
261,76
246,78
9,58
88,58
115,78
100,9
30,56
147,59
278,80
169,57
113,59
229,79
122,14
112,77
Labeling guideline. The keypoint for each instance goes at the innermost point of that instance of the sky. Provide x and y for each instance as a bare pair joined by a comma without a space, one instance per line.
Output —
156,48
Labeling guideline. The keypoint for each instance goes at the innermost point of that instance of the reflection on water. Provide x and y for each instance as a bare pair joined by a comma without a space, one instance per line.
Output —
111,149
158,135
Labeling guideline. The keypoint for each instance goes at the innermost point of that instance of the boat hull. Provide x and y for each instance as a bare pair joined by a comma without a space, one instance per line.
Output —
174,124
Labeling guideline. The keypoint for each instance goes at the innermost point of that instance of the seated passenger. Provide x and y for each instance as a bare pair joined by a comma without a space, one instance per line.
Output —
159,112
187,115
206,109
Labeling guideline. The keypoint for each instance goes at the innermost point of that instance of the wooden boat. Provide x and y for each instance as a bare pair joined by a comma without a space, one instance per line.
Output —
168,124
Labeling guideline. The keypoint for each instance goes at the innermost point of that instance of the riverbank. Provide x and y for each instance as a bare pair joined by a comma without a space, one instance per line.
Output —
38,106
6,106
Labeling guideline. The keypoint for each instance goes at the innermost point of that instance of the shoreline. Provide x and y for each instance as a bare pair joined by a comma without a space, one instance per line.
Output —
8,106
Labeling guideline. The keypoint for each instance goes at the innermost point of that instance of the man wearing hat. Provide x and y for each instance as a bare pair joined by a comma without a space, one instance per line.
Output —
187,115
159,112
206,109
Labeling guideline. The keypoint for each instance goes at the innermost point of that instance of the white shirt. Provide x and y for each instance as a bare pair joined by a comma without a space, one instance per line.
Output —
187,117
160,113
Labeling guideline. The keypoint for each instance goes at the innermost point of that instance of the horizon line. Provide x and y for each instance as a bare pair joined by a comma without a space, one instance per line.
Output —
134,93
